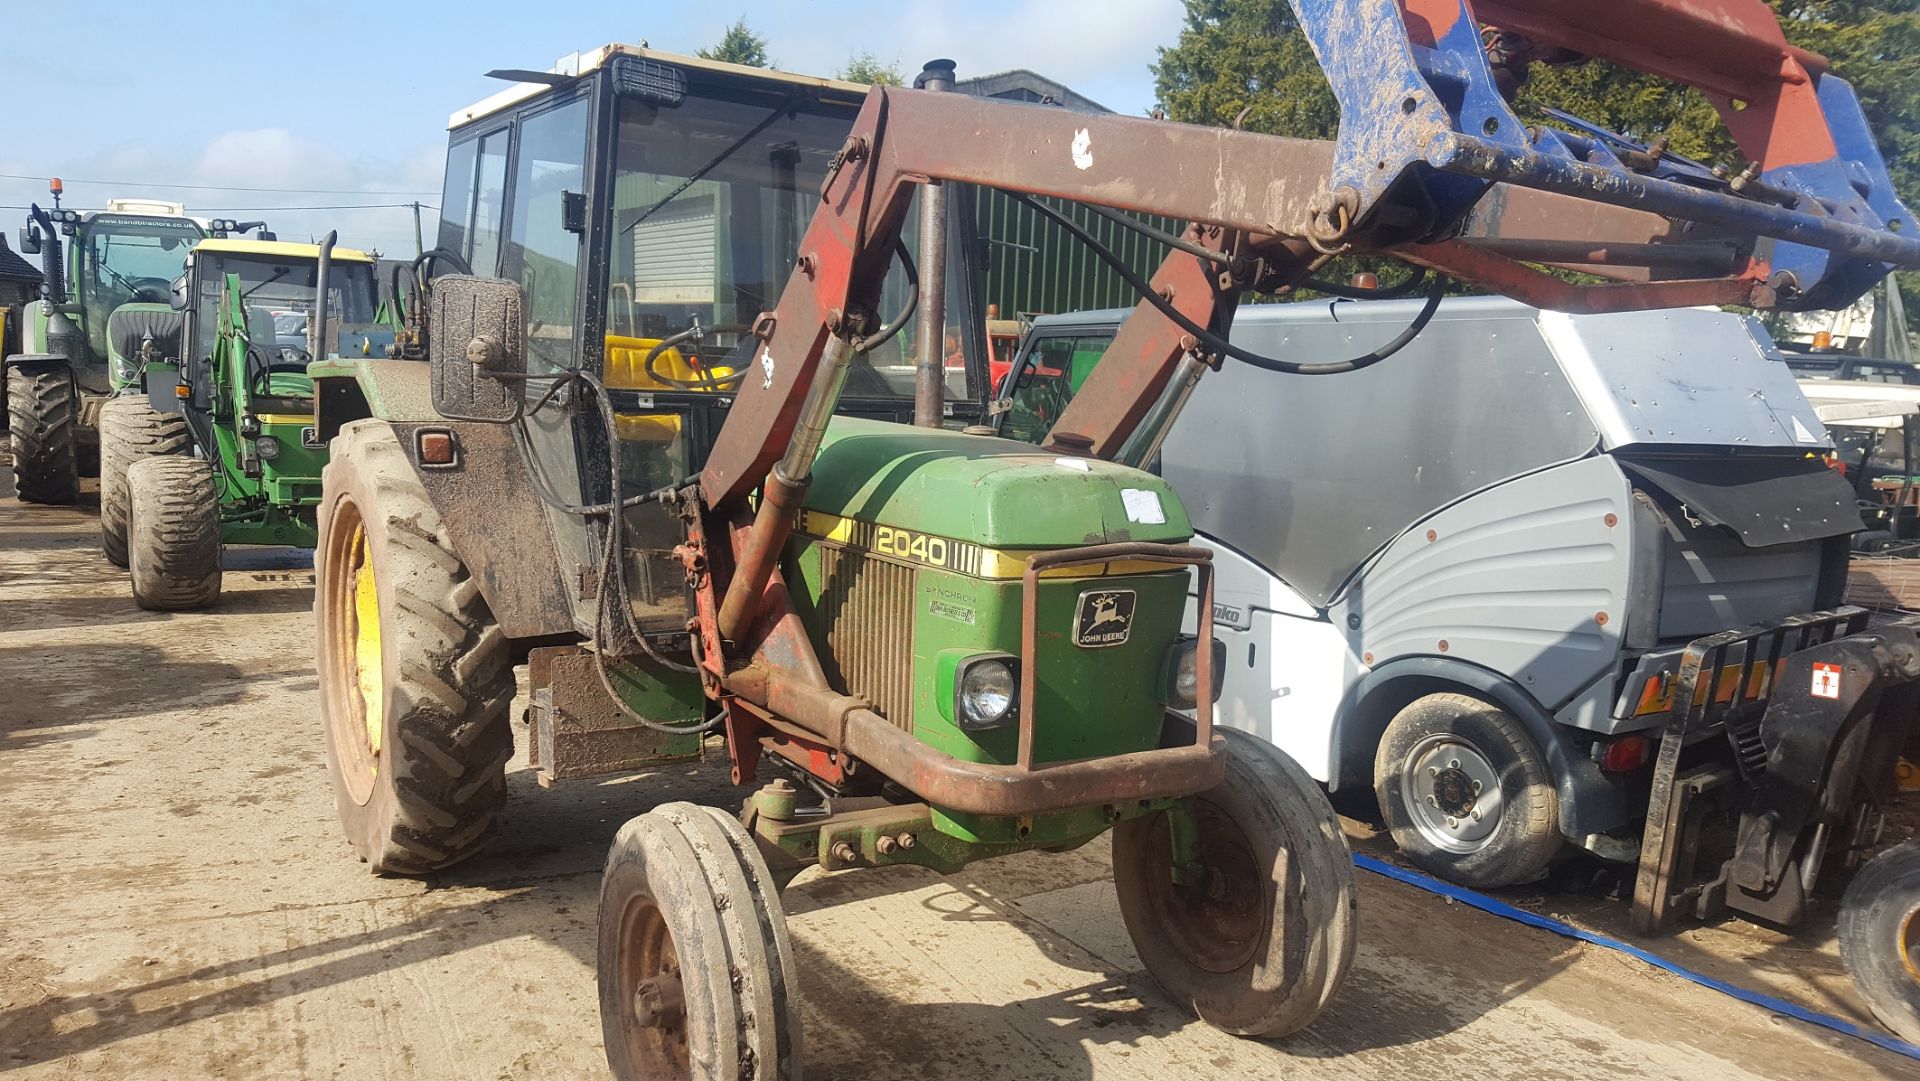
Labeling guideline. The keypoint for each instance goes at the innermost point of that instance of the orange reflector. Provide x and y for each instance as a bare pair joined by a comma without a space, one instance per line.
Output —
436,448
1657,695
1822,339
181,390
1626,754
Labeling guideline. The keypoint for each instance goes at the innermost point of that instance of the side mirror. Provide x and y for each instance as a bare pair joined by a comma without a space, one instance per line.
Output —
177,293
477,344
30,240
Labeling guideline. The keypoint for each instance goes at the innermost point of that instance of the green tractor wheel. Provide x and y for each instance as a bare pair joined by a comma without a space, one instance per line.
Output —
415,677
1258,934
173,543
130,430
43,415
696,974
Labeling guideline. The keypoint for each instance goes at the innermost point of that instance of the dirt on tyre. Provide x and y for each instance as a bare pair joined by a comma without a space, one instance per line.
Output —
1260,934
696,974
1880,937
173,536
43,413
1466,793
415,677
130,430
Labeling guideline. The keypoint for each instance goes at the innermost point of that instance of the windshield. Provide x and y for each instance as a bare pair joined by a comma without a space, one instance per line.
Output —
280,296
125,258
710,201
1051,376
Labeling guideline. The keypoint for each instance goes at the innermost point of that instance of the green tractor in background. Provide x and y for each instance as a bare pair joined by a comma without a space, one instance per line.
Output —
114,267
213,441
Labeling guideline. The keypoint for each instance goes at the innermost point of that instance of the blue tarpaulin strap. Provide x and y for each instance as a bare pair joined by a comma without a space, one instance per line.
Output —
1519,915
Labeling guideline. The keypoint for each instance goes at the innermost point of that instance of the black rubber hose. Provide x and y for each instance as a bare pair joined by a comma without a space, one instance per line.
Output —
1220,345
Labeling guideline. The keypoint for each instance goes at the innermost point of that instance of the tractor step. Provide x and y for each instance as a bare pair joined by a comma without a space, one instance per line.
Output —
575,729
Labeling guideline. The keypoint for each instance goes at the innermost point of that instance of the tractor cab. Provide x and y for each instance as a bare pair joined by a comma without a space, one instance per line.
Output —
125,255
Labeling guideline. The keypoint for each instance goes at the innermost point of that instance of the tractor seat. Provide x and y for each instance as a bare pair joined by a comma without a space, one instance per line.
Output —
131,324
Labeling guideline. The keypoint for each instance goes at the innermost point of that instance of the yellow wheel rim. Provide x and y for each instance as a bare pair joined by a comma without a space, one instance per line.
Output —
1910,943
367,661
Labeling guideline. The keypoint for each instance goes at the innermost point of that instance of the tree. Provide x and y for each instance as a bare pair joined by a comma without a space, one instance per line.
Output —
740,45
1235,55
864,67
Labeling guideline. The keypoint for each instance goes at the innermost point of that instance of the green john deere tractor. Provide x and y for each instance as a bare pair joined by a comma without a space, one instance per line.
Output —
112,269
220,448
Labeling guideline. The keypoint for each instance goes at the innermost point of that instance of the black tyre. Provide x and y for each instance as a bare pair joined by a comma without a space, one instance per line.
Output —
173,543
1261,935
42,415
1466,793
130,430
415,677
1880,937
696,975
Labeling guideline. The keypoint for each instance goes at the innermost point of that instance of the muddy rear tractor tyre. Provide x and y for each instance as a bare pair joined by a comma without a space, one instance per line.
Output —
173,536
415,677
1880,937
43,413
130,430
1261,933
696,974
1466,793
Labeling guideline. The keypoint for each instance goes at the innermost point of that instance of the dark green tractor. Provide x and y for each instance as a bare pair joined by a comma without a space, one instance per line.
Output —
103,273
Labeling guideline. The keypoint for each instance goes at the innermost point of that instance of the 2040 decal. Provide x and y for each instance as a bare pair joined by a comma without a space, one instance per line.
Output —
917,547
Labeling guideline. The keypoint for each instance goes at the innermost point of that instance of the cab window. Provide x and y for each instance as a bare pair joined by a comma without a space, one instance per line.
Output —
1054,372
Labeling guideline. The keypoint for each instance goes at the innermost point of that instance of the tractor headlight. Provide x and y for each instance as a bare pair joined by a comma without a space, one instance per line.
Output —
267,447
986,691
1180,672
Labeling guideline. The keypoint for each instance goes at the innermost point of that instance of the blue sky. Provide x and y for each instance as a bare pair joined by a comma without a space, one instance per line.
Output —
352,97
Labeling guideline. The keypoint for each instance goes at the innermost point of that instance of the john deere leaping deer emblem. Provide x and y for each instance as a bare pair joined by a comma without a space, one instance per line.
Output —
1104,618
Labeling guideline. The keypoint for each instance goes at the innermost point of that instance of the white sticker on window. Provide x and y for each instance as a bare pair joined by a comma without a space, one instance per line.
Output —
1143,506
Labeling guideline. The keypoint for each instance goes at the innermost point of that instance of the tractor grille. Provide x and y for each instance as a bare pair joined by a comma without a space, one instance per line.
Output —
867,605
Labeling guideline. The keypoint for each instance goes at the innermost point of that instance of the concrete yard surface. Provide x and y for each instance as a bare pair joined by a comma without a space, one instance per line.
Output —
176,902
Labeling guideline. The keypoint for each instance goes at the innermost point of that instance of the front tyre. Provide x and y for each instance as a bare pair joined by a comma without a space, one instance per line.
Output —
1260,935
173,555
696,974
43,414
130,430
1465,792
415,677
1880,937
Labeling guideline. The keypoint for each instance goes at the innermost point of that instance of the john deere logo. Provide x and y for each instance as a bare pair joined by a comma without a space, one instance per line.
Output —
1104,618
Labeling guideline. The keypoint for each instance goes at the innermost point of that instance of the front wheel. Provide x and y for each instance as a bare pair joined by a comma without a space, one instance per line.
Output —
415,677
1466,794
696,974
43,415
1260,934
1880,937
130,430
173,554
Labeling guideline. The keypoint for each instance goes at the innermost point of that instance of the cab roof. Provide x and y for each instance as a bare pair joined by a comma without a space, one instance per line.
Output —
285,249
576,65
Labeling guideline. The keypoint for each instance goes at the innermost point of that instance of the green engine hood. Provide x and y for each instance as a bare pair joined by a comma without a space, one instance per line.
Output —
997,493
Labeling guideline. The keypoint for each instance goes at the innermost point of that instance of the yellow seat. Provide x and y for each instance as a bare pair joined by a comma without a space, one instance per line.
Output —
627,370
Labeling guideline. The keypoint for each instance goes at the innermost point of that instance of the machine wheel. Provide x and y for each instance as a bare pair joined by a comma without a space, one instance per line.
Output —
42,413
174,534
696,975
1880,937
1261,936
1465,792
130,430
415,677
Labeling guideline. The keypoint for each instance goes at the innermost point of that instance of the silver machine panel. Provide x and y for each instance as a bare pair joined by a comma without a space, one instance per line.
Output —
1310,476
1688,377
